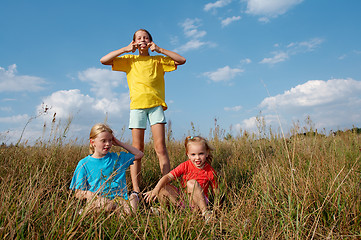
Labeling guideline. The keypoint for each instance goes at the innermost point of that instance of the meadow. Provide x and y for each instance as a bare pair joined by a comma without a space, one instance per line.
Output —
307,186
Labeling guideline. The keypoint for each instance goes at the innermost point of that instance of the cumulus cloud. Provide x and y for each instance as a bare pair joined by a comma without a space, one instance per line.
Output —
229,20
332,104
71,102
293,48
223,74
270,8
217,4
11,81
316,93
103,81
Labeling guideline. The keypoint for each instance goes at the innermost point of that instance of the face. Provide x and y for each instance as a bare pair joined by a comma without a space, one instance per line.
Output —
142,39
198,154
102,144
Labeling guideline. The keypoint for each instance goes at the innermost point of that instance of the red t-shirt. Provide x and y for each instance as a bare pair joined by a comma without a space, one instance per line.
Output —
204,176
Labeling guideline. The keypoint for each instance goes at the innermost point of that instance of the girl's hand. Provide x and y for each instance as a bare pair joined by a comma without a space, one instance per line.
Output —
132,47
153,47
149,196
116,142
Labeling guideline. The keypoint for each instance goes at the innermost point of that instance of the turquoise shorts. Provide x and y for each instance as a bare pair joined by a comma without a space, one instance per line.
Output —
139,117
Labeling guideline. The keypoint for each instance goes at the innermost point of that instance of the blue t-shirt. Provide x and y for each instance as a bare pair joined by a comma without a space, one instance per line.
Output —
104,176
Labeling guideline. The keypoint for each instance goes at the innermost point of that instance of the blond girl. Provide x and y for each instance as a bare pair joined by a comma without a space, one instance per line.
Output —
196,174
100,177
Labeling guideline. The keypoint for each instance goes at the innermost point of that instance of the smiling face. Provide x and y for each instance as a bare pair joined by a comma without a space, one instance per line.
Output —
198,154
142,38
102,144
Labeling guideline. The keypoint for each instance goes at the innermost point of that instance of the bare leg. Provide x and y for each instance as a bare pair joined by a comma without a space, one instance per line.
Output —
138,142
133,199
168,193
158,131
196,194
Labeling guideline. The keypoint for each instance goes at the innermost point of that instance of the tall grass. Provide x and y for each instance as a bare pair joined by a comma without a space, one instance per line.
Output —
304,187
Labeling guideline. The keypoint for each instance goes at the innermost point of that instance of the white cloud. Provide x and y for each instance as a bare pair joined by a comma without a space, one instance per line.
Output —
5,109
223,74
191,31
190,28
217,4
103,81
293,48
317,93
67,103
270,8
14,119
229,20
11,82
305,46
246,61
233,109
190,45
254,124
333,104
278,57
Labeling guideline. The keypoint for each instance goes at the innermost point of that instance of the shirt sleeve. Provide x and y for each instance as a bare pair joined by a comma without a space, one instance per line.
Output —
125,160
168,64
121,63
80,178
178,171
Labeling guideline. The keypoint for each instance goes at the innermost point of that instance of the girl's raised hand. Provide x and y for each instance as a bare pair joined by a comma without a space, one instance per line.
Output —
153,47
132,47
116,142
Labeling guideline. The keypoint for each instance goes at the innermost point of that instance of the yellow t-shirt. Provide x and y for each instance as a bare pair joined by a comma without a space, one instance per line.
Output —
145,76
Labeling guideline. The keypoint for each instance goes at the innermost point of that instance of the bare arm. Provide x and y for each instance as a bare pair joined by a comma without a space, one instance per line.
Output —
137,153
108,59
152,195
178,59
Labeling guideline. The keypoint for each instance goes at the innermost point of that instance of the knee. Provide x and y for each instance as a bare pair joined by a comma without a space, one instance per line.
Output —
139,146
191,185
160,148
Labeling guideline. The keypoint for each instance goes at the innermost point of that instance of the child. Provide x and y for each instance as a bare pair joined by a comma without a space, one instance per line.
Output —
100,177
197,175
145,76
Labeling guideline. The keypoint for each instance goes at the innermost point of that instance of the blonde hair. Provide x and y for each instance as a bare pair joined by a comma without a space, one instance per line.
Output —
95,131
199,140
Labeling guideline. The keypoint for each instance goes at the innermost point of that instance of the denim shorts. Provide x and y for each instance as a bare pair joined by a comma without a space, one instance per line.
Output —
139,117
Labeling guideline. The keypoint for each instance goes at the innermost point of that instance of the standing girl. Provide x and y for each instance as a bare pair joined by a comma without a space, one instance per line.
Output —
145,76
197,175
100,177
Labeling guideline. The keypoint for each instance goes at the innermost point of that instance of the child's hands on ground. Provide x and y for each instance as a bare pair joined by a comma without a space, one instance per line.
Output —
150,196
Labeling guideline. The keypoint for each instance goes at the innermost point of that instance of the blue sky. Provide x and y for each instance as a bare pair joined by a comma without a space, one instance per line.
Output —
283,60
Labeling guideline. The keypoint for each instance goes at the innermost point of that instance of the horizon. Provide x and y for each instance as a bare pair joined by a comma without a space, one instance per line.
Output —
286,61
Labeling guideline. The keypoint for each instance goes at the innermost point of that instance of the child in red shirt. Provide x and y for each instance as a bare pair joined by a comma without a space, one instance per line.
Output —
196,176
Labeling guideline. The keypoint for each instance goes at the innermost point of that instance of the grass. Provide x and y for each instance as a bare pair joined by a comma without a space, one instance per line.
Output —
303,187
